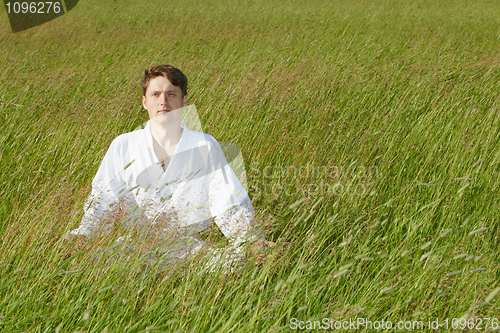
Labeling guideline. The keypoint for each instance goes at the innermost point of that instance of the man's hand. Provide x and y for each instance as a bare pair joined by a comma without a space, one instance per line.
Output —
258,248
74,243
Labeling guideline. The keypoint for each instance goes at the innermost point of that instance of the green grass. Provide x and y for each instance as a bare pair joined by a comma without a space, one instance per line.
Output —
382,115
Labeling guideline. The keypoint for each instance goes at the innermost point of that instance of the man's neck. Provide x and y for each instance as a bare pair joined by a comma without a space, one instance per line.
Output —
166,134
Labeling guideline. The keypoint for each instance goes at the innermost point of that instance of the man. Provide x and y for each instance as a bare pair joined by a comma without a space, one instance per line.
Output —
170,181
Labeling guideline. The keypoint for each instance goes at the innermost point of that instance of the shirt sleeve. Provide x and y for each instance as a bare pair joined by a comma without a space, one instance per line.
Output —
229,203
109,192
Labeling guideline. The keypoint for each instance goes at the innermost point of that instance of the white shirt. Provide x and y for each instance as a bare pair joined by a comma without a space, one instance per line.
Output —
197,185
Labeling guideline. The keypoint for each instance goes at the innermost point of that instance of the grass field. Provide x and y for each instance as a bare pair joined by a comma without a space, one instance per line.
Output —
370,134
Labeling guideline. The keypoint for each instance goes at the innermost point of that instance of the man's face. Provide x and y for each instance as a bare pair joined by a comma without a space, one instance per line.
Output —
162,97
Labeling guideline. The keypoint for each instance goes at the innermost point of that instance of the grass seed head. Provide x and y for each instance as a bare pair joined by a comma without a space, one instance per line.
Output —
341,273
445,232
460,256
86,315
477,231
426,245
477,270
491,295
386,290
454,273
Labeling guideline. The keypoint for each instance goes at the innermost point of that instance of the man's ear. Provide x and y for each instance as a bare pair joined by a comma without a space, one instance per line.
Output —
144,102
185,100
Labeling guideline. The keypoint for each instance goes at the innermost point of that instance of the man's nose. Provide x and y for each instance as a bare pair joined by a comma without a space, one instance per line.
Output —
165,99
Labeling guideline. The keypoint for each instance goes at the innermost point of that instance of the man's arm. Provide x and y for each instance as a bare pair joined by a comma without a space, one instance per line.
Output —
108,188
230,204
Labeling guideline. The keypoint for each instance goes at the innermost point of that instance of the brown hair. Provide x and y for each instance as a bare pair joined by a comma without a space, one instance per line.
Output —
174,75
